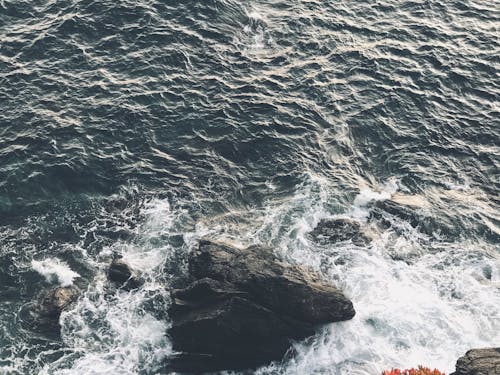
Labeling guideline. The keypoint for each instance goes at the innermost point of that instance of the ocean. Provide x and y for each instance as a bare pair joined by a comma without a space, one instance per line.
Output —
134,128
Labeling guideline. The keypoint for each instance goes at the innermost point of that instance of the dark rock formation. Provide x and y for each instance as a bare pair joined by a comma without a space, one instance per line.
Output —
245,307
121,274
44,314
382,211
337,230
479,362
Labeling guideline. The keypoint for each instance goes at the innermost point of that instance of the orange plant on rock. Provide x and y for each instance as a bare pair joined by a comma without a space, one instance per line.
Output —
414,371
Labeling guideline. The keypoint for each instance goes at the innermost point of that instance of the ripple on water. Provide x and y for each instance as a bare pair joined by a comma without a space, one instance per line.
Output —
135,128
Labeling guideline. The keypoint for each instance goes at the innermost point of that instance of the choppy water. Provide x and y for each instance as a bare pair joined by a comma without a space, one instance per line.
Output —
136,127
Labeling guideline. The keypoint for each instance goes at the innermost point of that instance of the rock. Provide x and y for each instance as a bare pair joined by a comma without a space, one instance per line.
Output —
121,274
384,212
200,293
288,289
44,314
239,330
479,362
338,230
245,307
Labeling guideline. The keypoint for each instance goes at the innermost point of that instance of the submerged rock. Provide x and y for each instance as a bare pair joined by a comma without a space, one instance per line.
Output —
245,307
44,314
121,274
338,230
384,212
479,362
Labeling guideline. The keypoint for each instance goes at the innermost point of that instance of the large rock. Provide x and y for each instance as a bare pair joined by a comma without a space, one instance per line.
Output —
245,307
272,283
43,315
479,362
338,230
120,273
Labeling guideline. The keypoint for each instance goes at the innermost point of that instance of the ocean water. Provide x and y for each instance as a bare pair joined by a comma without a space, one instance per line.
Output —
135,128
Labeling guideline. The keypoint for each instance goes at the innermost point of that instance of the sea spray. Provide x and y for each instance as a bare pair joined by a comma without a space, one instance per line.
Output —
55,271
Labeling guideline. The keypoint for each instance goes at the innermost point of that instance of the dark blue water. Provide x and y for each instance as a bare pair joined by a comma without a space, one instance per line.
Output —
137,127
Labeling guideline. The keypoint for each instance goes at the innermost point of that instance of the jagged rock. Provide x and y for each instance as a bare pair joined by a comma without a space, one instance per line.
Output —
479,362
338,230
288,289
245,307
380,209
425,223
44,314
122,275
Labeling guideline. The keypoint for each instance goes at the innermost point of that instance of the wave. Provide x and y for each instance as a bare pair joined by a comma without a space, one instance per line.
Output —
55,271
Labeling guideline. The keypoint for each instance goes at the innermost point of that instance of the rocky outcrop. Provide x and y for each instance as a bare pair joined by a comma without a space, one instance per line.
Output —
245,307
479,362
338,230
43,315
120,273
384,212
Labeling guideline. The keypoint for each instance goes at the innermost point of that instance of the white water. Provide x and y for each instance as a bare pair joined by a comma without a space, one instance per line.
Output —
366,195
418,300
113,331
254,36
55,271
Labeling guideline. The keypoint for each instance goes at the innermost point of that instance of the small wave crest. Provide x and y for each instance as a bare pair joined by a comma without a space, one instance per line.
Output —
366,195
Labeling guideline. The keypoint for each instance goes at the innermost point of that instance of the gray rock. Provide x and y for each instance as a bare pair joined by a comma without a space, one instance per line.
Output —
120,273
338,230
245,307
479,362
284,288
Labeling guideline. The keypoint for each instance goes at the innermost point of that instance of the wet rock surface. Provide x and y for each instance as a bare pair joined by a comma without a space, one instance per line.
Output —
44,314
338,230
245,307
479,362
120,273
385,212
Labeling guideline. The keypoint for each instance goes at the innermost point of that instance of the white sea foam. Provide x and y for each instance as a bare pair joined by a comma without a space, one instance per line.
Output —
427,312
255,35
55,271
127,340
112,331
417,301
366,195
457,186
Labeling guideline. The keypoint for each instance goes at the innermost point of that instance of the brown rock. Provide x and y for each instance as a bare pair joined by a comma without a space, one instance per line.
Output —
43,315
284,288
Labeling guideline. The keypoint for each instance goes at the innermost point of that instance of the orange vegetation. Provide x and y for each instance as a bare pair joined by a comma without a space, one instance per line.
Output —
414,371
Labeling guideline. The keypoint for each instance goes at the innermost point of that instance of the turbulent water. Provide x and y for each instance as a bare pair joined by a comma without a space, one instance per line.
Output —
135,128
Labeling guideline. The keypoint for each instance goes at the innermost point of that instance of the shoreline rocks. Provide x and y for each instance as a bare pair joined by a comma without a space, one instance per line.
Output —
120,273
43,315
245,307
338,230
479,362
